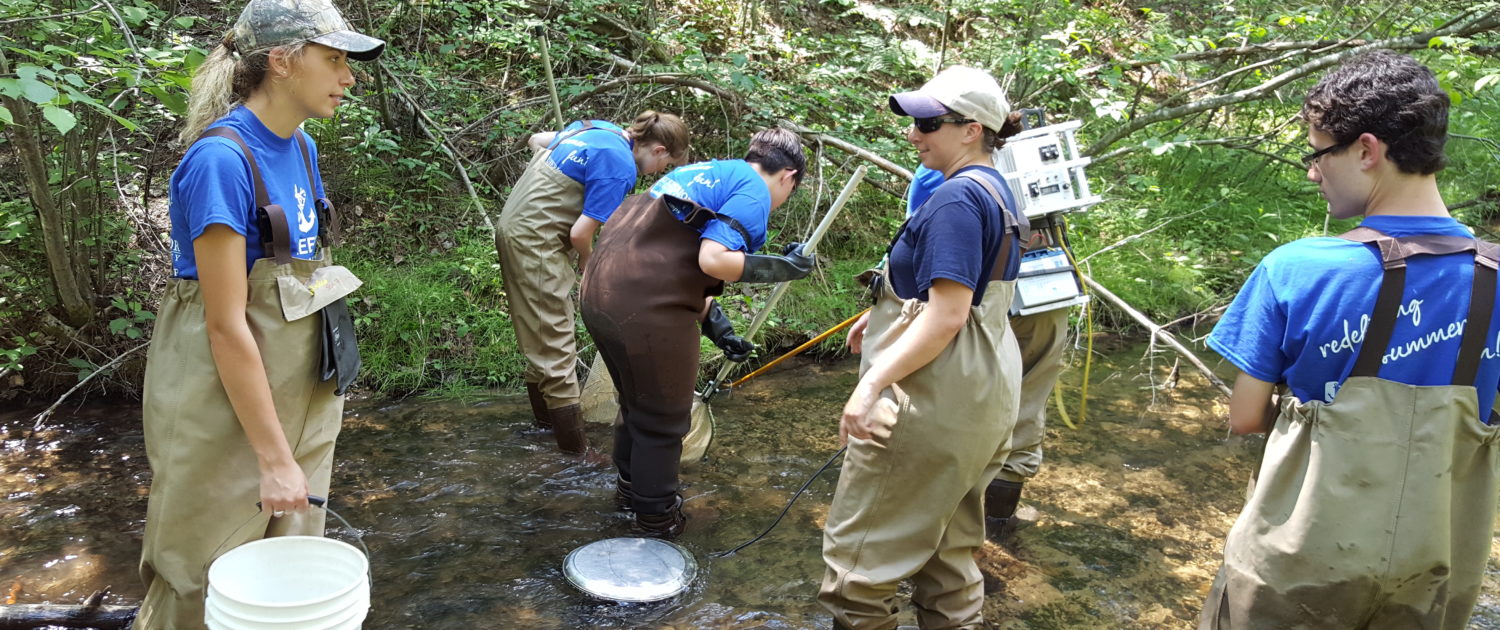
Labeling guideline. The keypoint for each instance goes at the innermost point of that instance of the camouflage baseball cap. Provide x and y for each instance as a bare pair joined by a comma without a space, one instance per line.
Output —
266,24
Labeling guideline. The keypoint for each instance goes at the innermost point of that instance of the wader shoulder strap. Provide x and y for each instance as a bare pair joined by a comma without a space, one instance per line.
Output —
1481,310
698,216
328,232
1393,255
275,235
1022,230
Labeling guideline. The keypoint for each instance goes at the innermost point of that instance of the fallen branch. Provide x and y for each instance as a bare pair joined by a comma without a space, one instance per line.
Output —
1156,332
1238,144
28,616
666,78
55,16
865,154
42,417
1488,21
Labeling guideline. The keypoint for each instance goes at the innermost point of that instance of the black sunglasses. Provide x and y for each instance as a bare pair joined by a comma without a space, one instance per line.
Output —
929,125
1312,158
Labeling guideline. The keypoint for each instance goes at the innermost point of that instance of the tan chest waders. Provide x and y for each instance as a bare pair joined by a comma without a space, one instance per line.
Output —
205,479
536,263
642,296
913,506
1376,510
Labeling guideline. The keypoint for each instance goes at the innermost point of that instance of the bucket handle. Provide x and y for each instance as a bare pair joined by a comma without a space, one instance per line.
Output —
315,501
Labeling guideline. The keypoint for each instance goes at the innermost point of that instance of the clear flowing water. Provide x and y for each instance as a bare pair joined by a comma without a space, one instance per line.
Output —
468,512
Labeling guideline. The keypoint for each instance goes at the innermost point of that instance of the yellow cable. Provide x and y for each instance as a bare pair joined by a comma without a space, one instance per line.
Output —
1062,412
1088,322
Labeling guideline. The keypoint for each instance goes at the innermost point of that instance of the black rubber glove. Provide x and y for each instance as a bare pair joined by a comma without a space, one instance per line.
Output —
717,328
791,266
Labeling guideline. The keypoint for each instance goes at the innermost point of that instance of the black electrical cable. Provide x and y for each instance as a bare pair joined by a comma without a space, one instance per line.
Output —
788,508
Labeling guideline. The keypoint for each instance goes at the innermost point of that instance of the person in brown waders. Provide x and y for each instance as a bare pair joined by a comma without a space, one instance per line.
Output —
575,180
1375,502
929,422
647,294
244,383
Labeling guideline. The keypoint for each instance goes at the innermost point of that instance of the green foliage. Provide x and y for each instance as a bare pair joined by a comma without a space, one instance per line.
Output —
438,322
1192,203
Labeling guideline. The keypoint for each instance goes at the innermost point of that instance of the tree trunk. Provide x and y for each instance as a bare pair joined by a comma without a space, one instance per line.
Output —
71,294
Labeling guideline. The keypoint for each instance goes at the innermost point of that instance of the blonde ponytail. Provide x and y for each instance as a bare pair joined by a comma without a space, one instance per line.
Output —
224,80
212,95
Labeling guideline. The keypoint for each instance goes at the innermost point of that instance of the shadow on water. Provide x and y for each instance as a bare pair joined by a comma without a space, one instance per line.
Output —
468,512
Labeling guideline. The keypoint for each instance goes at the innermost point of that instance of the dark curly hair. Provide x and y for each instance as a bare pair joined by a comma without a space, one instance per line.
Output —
1390,95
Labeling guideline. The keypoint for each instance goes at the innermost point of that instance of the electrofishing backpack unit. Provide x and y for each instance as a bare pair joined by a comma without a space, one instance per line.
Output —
1045,173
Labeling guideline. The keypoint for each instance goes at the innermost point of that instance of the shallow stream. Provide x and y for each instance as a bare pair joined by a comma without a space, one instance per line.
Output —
468,512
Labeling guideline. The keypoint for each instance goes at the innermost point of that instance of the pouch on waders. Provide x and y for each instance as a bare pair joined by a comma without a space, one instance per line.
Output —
325,291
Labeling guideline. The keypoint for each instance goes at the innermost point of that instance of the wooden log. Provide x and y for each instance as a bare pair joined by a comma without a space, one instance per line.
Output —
29,616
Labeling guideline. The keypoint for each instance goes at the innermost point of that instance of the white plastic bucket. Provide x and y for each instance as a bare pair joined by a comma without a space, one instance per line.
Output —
348,617
288,582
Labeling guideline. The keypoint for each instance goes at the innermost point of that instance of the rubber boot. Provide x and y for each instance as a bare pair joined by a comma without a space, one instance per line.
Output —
1000,501
539,416
567,427
667,525
623,495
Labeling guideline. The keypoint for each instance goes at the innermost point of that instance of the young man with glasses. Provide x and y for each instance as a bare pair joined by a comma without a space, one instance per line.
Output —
1375,502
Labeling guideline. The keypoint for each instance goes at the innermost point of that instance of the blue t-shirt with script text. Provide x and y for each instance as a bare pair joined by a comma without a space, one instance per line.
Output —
728,187
1300,319
600,158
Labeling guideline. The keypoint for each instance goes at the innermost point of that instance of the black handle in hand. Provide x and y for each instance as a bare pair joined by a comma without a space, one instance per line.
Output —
314,499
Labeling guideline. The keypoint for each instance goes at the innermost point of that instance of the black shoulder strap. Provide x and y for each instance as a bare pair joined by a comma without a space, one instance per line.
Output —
698,216
275,233
1481,310
1393,254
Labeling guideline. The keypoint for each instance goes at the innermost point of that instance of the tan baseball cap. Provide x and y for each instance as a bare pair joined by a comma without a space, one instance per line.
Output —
266,24
968,92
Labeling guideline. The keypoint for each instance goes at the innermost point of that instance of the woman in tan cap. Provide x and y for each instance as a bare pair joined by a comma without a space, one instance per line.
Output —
930,418
244,379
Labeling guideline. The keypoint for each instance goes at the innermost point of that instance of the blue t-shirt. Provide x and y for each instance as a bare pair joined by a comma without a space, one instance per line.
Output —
956,236
213,185
1301,317
728,187
923,181
600,159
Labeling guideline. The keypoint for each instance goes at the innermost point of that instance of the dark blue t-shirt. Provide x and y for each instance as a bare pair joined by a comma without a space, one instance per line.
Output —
956,235
1300,319
212,185
728,187
600,158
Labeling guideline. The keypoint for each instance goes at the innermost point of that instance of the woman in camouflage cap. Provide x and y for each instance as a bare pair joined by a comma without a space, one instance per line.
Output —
235,410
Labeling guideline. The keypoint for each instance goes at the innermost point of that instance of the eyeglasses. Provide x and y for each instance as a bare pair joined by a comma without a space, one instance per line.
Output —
1312,158
929,125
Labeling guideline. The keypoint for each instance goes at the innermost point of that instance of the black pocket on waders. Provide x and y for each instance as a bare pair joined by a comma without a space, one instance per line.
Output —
340,357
